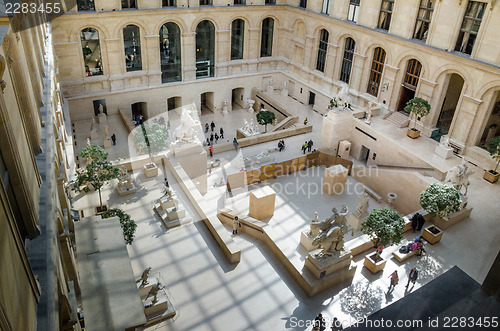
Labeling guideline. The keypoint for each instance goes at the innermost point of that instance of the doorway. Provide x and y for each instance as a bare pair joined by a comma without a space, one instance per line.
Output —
207,102
291,88
410,83
138,109
237,98
97,103
450,102
174,103
365,153
312,98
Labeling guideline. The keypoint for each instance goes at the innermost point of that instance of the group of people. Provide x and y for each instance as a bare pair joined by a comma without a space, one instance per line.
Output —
417,222
214,137
412,277
320,324
307,146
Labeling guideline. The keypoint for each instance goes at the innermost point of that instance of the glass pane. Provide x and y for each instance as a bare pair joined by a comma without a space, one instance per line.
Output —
237,38
205,49
132,44
266,43
84,5
91,51
170,53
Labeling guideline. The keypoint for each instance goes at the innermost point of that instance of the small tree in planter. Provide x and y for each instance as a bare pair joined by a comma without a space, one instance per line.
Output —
385,227
128,225
440,200
150,139
98,171
419,108
494,149
265,117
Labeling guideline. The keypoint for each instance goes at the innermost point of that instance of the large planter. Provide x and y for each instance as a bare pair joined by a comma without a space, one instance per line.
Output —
432,234
413,133
150,170
491,176
373,266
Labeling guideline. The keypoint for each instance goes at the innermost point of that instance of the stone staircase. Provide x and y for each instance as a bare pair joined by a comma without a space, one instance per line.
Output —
398,119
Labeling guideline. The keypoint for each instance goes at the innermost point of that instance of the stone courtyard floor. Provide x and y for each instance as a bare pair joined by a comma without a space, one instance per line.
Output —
258,293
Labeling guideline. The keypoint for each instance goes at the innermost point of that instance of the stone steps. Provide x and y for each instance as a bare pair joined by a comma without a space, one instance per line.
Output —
399,119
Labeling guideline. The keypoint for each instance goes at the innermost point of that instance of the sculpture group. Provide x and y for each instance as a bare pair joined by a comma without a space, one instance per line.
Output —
186,133
458,176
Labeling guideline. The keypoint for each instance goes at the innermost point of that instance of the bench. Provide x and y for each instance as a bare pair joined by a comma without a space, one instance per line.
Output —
372,193
401,257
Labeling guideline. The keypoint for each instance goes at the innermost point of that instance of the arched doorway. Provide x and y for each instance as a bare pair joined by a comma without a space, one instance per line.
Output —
237,98
139,109
492,125
174,103
207,102
453,92
205,49
410,82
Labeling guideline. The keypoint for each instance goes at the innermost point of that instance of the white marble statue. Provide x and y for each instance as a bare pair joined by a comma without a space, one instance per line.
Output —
101,109
245,127
368,119
106,133
458,176
92,124
88,142
186,133
250,105
224,107
343,99
253,127
363,204
444,141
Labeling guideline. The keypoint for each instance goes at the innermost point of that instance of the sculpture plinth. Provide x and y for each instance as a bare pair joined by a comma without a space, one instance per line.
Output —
102,118
335,180
443,151
339,262
262,202
306,240
355,220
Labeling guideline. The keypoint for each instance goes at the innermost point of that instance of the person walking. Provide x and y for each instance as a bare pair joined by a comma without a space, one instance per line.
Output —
216,137
166,182
211,139
283,143
208,142
412,277
236,225
113,139
212,125
235,144
394,280
309,145
211,150
221,131
206,127
414,221
280,146
304,147
420,247
305,121
336,325
319,323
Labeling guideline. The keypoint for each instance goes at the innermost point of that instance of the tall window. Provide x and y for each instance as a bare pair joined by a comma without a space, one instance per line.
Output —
205,49
326,7
237,38
129,4
470,26
376,71
424,18
345,71
266,42
322,49
205,2
169,3
240,2
270,2
170,53
303,3
412,74
91,51
353,10
384,20
132,44
85,5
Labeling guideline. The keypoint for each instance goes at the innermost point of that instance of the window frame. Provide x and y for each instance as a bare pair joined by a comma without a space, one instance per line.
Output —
101,71
376,71
424,15
324,35
129,3
270,31
175,68
133,68
170,3
385,15
303,4
240,39
353,12
466,38
347,60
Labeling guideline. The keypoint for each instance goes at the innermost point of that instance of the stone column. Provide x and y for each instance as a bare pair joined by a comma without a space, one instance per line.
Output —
115,57
189,56
386,88
253,48
223,52
151,58
309,59
426,89
463,119
357,70
331,62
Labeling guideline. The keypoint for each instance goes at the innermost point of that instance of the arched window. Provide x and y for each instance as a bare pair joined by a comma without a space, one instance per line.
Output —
266,42
345,71
85,5
91,51
205,49
237,37
376,71
412,74
132,44
170,53
322,49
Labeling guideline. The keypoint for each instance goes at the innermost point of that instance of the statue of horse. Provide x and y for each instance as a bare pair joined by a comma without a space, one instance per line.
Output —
458,176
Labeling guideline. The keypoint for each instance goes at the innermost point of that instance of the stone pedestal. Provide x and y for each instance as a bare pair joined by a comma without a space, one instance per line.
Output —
155,311
307,241
193,159
175,213
107,143
344,149
320,268
102,118
262,202
150,170
355,220
335,179
93,134
444,152
125,186
167,203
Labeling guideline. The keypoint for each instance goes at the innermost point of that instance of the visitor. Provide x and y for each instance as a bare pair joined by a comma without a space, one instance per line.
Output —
211,150
304,147
394,280
420,221
206,127
216,137
283,143
166,183
212,125
235,144
319,323
113,139
412,277
211,139
141,119
221,131
336,325
309,145
305,121
208,142
420,247
236,225
280,146
414,221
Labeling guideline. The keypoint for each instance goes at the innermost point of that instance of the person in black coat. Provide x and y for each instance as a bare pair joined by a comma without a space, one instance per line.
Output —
414,221
420,221
221,131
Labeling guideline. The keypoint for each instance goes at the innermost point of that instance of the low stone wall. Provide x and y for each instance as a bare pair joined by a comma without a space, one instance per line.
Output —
126,119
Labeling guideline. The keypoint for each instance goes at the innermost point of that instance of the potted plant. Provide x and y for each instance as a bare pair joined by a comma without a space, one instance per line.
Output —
98,172
265,117
127,224
419,108
384,227
439,200
494,149
432,234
